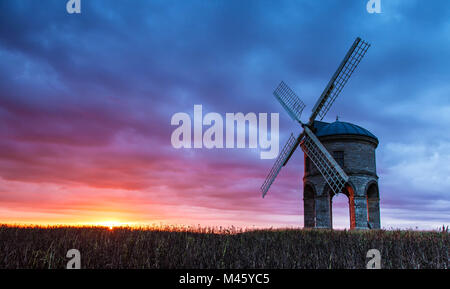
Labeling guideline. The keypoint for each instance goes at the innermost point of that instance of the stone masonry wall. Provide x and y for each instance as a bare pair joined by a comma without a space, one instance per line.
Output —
360,166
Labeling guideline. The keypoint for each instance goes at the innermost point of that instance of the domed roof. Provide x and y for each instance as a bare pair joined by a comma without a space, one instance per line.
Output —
340,128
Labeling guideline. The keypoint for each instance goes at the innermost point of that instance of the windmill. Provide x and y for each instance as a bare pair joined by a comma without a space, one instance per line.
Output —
328,167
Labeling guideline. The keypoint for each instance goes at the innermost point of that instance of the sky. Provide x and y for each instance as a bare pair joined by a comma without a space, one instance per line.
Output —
86,102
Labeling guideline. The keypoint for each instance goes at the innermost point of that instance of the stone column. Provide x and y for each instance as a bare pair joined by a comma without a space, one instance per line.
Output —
373,205
323,212
351,207
309,212
360,213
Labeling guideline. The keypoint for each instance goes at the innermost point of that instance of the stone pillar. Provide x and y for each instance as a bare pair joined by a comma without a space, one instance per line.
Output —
309,212
373,206
351,207
323,212
360,212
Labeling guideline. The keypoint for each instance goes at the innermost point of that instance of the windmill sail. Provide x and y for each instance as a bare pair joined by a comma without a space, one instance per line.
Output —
290,101
287,150
339,79
333,174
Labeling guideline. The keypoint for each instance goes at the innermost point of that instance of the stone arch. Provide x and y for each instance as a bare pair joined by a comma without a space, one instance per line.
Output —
350,189
327,191
309,190
309,211
337,199
373,205
349,192
372,188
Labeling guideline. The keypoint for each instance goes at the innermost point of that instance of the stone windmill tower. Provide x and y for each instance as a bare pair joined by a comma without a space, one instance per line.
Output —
339,156
353,148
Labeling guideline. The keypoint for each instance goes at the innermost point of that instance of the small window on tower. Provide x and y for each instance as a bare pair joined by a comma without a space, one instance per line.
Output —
339,158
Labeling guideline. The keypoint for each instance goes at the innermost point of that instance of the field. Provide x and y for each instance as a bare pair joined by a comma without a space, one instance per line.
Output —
175,247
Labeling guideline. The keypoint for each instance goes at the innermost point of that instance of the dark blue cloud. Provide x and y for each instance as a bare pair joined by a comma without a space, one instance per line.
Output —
135,63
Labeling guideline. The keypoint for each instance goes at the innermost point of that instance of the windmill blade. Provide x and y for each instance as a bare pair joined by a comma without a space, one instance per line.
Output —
339,79
287,150
333,174
290,101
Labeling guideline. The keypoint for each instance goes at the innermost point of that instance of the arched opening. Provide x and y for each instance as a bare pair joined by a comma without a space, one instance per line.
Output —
309,208
340,208
373,206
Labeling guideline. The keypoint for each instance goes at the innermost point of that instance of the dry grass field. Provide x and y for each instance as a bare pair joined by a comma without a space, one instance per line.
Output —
195,248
